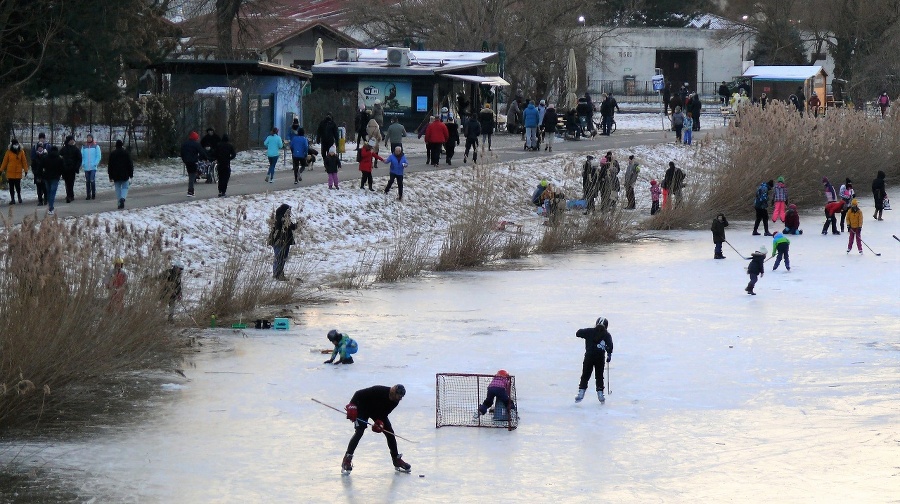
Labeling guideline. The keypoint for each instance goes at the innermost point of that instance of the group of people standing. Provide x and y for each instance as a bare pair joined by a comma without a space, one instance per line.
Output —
49,163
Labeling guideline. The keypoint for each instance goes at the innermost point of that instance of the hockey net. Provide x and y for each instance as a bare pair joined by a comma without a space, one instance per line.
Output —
458,396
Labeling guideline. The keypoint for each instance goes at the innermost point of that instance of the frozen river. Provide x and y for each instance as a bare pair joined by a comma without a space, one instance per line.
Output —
792,395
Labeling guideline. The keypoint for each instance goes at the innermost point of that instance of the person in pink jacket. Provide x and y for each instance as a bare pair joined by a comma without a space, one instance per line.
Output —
498,389
781,197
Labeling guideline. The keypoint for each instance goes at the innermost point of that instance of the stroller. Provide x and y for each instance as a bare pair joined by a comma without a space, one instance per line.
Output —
207,170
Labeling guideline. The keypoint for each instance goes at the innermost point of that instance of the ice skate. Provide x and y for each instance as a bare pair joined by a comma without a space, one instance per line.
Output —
347,464
600,396
580,395
400,465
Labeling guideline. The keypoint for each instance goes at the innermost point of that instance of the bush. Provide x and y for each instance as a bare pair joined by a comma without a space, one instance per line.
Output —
471,239
407,256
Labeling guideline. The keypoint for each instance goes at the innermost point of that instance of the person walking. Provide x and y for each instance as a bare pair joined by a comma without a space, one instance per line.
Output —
395,134
678,124
452,138
327,133
761,205
373,132
14,167
368,155
281,237
884,101
436,135
472,131
273,144
854,225
90,160
376,403
598,348
71,157
53,169
225,153
486,119
718,234
191,154
120,170
814,103
299,150
332,164
39,155
398,164
879,193
531,120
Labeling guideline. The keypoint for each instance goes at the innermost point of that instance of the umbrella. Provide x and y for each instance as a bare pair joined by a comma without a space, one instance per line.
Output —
320,53
571,80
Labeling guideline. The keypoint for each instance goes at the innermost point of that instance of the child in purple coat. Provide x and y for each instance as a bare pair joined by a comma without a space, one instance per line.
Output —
497,389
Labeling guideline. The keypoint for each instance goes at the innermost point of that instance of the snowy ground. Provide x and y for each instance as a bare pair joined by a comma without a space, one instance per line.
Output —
716,396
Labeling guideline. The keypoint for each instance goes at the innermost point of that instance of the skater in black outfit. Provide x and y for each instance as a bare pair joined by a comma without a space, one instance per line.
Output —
718,231
377,403
598,348
757,268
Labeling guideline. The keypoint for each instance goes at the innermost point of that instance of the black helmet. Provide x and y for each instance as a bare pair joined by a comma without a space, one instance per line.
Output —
602,322
334,335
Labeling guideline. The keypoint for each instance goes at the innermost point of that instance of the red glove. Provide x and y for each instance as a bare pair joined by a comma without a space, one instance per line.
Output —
352,412
378,426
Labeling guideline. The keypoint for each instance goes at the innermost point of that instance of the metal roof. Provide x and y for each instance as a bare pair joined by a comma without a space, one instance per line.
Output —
374,61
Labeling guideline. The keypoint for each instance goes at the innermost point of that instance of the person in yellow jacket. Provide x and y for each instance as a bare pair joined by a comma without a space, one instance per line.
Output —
854,225
14,167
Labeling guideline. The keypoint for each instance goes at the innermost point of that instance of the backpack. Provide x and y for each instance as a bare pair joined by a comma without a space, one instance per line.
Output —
678,120
762,196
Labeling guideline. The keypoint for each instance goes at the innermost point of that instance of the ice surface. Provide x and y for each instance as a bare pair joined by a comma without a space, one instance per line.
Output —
716,396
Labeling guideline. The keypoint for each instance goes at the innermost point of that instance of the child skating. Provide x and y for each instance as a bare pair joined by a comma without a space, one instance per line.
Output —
781,196
497,389
756,269
854,225
597,345
344,347
718,231
781,246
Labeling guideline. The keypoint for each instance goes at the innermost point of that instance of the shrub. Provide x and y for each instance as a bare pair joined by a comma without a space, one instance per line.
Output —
471,239
407,256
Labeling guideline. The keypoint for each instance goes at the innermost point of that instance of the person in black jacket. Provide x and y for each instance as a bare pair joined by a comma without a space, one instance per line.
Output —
724,93
474,129
71,157
39,155
549,127
757,267
377,403
718,231
120,171
598,348
53,169
696,107
224,154
210,142
191,153
667,97
327,134
281,237
452,138
878,192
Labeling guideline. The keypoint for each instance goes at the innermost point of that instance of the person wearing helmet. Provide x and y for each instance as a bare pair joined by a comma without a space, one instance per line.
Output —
375,402
598,348
116,283
756,269
499,388
344,346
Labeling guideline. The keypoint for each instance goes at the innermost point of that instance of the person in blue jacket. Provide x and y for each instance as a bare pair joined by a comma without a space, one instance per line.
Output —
397,162
273,144
531,119
90,159
299,151
344,347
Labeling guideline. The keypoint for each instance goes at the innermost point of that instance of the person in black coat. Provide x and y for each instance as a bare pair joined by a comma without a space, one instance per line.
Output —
696,106
120,170
549,127
756,268
71,157
327,134
209,142
724,93
224,154
39,155
374,403
53,169
452,138
598,348
191,154
473,131
878,192
667,97
281,237
718,232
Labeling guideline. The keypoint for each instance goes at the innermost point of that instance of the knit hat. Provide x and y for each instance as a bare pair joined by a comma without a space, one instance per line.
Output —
545,183
119,143
781,179
824,180
502,372
653,182
792,206
854,202
332,150
848,181
70,138
194,136
763,250
777,235
400,390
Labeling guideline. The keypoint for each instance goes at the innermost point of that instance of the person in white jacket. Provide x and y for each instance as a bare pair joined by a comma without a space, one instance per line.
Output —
90,159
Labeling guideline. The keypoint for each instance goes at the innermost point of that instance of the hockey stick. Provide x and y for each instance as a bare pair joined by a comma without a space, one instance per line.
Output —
736,250
895,237
870,248
608,389
359,420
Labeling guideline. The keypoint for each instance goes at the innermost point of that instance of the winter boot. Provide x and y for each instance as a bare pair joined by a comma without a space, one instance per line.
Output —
121,203
93,190
580,395
87,190
347,463
400,465
600,396
348,360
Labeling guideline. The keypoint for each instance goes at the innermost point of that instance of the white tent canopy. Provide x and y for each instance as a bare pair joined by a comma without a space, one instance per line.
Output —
480,79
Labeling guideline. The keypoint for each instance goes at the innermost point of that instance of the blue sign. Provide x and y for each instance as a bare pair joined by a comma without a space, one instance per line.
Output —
421,104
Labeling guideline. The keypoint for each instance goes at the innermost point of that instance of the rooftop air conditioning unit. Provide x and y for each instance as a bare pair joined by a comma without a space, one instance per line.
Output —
348,54
398,56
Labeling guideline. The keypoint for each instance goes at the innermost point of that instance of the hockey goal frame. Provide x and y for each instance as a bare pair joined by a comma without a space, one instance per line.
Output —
455,406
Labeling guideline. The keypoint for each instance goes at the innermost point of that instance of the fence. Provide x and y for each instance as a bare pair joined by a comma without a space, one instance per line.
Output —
642,90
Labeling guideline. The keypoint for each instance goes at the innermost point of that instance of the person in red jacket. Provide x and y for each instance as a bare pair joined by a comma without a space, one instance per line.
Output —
831,209
367,156
792,221
436,134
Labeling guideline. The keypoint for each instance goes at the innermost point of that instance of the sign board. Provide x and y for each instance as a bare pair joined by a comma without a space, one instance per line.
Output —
395,96
658,82
421,104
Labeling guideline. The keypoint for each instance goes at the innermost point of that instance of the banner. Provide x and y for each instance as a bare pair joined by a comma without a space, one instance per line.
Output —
395,96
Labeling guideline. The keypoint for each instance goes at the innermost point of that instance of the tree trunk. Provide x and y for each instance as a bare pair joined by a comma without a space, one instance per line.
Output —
226,12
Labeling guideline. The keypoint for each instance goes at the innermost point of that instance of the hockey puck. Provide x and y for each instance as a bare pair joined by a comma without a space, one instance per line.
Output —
421,475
